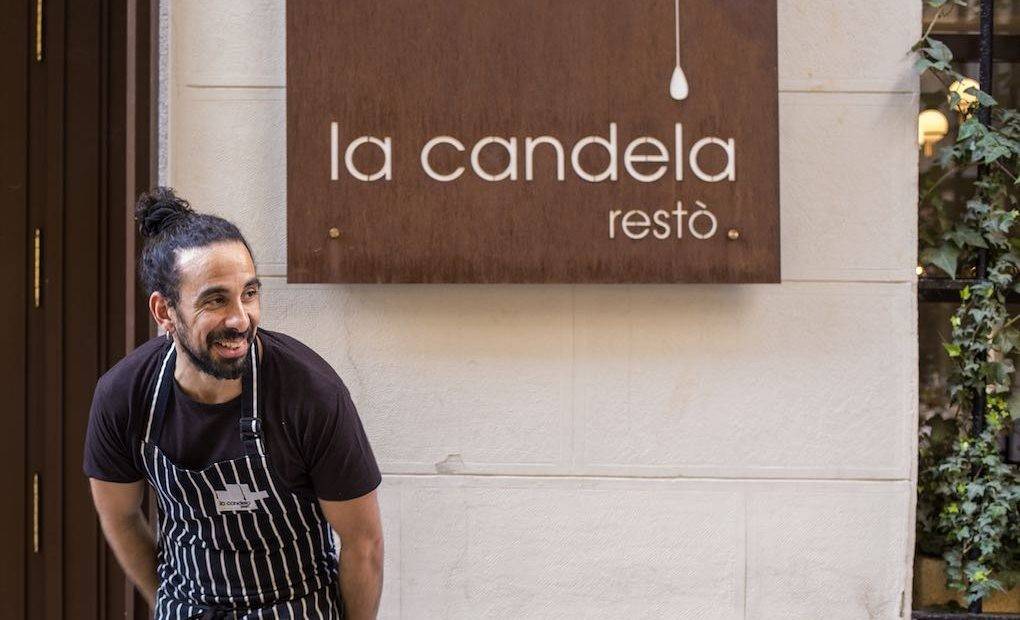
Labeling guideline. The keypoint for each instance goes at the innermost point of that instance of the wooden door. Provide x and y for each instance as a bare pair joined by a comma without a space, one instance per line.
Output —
75,148
14,265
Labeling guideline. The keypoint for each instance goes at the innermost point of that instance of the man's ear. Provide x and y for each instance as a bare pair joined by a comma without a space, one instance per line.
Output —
159,307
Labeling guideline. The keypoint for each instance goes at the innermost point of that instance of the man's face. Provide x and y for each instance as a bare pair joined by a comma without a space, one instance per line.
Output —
218,312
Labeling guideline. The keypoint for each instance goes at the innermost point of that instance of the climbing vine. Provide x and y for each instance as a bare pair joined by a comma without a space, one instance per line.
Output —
968,496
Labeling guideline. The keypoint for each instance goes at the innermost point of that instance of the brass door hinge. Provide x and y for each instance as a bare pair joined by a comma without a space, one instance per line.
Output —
36,268
35,512
38,30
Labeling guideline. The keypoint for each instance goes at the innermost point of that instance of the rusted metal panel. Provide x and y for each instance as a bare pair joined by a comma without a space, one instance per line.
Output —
371,84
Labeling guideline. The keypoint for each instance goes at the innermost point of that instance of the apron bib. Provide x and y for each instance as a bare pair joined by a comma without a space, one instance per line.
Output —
232,541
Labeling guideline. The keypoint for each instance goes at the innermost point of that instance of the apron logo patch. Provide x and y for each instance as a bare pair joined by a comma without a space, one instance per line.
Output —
237,497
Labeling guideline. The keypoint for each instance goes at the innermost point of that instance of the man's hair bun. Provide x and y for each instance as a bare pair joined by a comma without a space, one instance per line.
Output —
160,210
169,225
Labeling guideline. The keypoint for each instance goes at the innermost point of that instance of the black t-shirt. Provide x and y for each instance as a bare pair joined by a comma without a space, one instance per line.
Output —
313,435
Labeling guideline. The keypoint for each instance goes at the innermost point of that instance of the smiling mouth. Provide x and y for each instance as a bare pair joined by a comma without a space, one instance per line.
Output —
231,347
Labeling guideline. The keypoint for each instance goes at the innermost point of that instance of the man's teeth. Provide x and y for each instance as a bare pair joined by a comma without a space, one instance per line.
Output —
229,345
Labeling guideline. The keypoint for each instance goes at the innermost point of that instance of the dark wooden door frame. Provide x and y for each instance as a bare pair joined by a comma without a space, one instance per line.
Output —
77,145
14,249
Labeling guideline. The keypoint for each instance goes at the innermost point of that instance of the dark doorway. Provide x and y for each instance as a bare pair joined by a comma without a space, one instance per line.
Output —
76,146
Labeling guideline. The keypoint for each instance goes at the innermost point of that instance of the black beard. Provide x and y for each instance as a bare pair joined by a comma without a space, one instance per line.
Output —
204,361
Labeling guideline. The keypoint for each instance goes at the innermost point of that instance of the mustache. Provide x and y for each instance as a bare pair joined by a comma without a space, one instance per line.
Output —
231,334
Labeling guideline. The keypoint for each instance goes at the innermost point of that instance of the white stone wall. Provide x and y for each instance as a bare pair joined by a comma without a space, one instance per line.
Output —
583,451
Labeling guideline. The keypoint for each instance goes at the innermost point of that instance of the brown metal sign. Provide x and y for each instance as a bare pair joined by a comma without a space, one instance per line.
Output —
532,141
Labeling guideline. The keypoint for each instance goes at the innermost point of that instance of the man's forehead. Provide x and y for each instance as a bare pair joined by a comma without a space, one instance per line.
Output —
215,264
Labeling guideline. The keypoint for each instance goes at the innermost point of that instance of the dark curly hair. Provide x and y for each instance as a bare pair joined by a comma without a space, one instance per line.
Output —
168,224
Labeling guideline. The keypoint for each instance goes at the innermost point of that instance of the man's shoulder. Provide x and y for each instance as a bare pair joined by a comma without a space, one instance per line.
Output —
294,363
125,382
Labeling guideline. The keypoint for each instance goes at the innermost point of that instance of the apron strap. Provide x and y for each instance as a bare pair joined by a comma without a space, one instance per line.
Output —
251,424
160,395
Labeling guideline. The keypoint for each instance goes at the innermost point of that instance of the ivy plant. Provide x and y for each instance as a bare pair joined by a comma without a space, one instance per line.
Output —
968,496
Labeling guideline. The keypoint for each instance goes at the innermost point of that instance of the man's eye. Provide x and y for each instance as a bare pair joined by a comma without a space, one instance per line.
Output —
215,301
251,293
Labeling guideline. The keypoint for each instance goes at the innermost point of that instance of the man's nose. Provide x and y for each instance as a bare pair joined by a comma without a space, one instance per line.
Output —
238,318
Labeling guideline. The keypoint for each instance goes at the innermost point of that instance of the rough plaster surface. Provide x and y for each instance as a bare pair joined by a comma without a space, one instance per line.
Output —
634,380
622,451
826,551
556,547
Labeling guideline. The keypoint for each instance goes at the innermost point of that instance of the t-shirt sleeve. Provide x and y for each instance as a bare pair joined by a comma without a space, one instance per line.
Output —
107,440
340,460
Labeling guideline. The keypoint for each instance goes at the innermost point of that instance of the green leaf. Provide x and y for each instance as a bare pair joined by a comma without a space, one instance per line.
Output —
983,98
944,257
952,349
970,127
965,235
938,50
922,64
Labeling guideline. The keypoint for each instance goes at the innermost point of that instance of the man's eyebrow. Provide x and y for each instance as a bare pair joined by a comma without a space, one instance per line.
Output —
219,290
209,292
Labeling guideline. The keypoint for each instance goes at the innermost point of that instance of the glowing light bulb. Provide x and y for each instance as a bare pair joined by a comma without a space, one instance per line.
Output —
967,100
932,126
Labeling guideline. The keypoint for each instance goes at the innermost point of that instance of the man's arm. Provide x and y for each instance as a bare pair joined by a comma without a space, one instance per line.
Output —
361,556
120,514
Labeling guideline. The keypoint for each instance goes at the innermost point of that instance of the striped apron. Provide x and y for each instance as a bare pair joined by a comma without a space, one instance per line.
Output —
232,541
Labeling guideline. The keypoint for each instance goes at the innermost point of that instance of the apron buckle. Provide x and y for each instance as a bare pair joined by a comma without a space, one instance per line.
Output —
251,429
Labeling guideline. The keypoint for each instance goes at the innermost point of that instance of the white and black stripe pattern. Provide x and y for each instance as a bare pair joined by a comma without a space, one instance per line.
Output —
155,392
274,560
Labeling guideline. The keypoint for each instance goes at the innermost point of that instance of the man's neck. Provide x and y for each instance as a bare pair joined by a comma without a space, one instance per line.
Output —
203,387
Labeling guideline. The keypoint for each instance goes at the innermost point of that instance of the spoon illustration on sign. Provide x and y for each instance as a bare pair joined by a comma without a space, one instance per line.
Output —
678,88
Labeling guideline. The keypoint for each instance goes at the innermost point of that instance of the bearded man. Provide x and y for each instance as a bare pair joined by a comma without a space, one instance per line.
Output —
249,438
